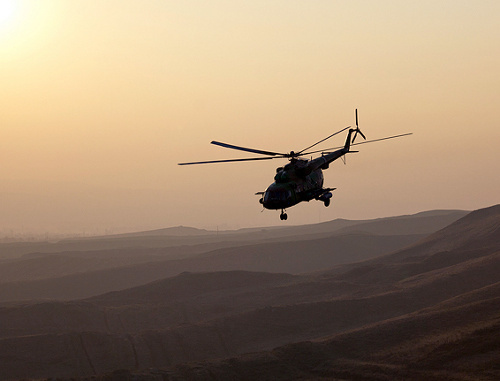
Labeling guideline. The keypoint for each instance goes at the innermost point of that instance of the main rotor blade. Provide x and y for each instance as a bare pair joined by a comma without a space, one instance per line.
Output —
229,160
321,141
378,140
356,144
225,145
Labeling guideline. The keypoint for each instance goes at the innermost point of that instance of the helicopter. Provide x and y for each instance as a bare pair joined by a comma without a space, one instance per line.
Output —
301,179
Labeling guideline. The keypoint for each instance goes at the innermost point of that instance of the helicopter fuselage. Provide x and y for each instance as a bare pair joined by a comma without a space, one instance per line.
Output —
293,183
300,180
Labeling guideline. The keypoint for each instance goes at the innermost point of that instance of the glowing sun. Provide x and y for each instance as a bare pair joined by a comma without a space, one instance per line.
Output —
7,11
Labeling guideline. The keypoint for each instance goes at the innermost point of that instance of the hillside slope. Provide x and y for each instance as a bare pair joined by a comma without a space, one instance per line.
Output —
420,223
369,320
292,257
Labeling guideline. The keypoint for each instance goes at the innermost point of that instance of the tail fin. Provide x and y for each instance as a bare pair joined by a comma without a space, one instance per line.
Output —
347,145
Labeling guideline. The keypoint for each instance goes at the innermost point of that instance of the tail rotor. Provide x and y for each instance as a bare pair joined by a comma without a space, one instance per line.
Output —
357,130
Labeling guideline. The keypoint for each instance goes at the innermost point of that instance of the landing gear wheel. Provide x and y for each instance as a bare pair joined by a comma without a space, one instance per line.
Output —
327,202
283,216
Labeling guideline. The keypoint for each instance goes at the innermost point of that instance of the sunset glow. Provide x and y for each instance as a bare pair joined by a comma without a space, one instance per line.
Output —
101,100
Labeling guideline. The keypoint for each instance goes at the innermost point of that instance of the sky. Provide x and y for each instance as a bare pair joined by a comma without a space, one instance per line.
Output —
99,101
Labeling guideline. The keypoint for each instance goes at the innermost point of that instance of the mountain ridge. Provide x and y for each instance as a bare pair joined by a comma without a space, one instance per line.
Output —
146,239
373,319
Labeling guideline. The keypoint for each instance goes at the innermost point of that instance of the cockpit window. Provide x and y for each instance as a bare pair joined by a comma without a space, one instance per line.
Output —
278,195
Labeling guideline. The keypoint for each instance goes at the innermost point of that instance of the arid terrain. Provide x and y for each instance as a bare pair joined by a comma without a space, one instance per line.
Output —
408,297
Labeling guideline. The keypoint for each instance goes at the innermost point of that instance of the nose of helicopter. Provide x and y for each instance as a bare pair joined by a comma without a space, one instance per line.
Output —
277,197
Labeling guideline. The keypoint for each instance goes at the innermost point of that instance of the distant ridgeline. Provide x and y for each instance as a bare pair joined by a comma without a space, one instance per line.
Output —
379,299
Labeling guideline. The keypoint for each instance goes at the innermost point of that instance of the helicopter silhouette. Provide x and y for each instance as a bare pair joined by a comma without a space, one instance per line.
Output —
301,179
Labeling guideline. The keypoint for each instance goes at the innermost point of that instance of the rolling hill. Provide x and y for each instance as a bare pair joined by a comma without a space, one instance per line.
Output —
83,273
429,310
187,238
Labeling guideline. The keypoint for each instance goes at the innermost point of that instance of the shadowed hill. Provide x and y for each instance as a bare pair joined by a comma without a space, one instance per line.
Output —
469,238
292,257
370,320
479,229
460,343
425,223
420,223
185,299
53,260
177,231
193,285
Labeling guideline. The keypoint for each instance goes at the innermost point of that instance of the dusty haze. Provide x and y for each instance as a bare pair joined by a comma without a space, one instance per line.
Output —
101,100
408,297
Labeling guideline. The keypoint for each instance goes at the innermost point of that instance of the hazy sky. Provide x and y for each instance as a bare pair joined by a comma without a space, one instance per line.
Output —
99,101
